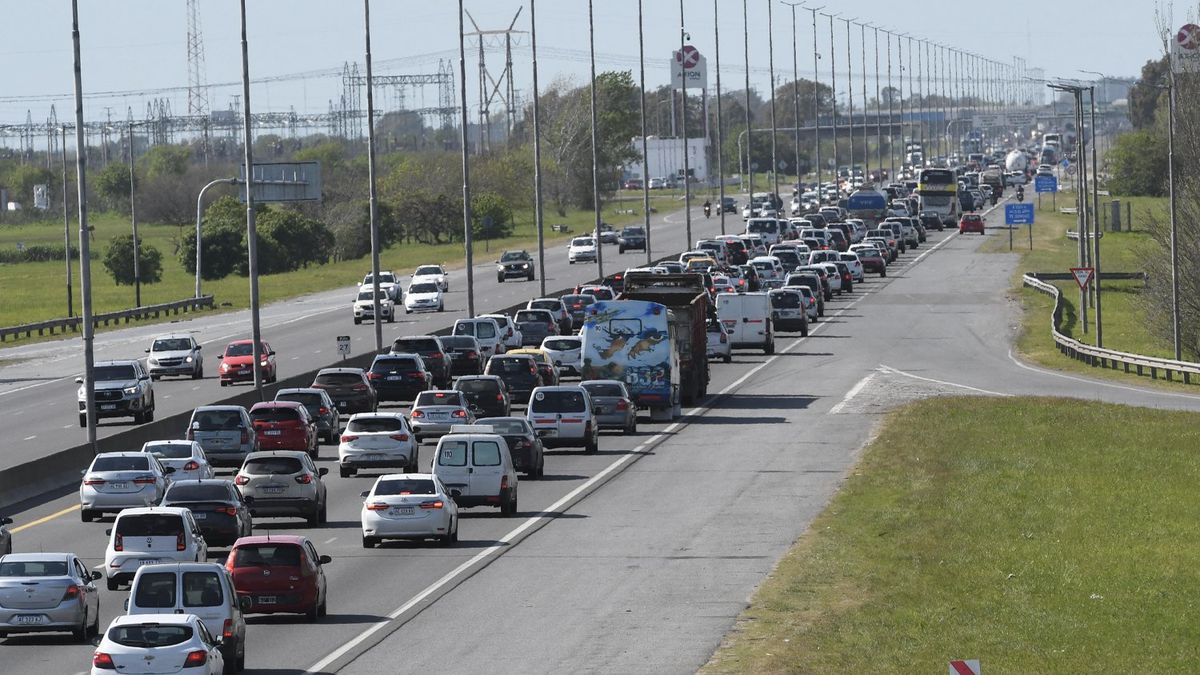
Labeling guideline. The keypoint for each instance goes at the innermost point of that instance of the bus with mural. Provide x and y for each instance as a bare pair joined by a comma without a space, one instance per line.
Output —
633,341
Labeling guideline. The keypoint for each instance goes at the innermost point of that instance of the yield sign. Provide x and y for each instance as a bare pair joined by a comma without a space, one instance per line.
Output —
691,57
1083,276
1188,37
965,667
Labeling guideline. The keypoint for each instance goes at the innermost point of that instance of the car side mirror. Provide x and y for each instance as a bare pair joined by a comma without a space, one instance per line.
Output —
147,351
126,604
364,493
6,521
543,433
199,347
244,603
108,532
324,560
248,499
168,469
220,356
322,471
271,353
454,492
97,575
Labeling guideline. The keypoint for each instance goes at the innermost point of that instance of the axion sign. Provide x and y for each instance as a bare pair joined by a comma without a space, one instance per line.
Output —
1188,37
695,68
1185,49
691,57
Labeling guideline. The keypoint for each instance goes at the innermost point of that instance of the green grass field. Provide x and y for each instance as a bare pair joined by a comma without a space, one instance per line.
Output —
1037,535
36,291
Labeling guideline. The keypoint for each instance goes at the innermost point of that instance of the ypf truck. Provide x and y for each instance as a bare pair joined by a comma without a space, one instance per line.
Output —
687,299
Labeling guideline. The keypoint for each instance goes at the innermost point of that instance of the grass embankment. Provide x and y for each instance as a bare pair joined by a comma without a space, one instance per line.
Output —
36,291
1037,535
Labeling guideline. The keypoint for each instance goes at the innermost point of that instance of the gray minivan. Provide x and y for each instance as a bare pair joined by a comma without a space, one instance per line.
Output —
225,432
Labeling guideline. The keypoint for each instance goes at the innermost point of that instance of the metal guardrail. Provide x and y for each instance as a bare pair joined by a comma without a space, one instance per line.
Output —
1097,356
126,315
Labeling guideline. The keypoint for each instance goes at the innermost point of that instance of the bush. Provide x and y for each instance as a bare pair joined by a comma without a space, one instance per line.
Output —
287,240
38,253
118,260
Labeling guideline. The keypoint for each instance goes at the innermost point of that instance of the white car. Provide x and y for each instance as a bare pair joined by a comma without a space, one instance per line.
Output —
175,355
179,643
120,480
146,536
581,249
386,277
855,265
509,333
376,440
566,353
424,296
408,506
187,458
431,273
364,305
719,345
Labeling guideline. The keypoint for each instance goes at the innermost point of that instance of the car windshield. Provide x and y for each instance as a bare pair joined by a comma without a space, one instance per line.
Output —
423,288
170,450
427,269
785,300
273,414
240,349
267,555
149,525
34,568
633,231
114,373
216,420
562,344
583,241
121,463
513,256
477,386
599,292
198,492
405,486
502,425
273,466
558,400
417,345
603,389
146,635
171,345
336,379
374,425
367,295
384,278
437,398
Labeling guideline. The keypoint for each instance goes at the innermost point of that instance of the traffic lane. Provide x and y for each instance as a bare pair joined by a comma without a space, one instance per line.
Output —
299,338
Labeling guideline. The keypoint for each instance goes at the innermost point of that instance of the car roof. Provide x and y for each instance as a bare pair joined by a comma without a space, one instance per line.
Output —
188,566
300,390
295,454
169,441
560,387
146,510
116,362
120,453
170,336
31,556
202,481
376,415
491,378
168,619
292,405
396,356
332,371
294,539
601,382
217,407
404,476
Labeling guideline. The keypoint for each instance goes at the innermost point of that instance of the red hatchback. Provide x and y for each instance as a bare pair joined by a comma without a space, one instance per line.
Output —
970,222
237,362
284,425
281,574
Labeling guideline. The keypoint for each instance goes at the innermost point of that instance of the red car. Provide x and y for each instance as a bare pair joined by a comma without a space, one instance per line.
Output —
281,574
970,222
237,362
284,425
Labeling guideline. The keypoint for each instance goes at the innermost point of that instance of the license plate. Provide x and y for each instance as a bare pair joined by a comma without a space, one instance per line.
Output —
374,457
149,561
108,406
29,619
119,486
266,599
439,415
600,410
244,370
341,404
199,516
273,432
393,378
271,490
402,511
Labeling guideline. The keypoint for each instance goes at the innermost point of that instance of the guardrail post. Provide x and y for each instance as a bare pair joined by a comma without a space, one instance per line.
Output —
1153,373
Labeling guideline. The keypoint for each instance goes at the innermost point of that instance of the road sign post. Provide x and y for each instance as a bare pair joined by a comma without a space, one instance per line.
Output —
1018,214
1083,276
343,346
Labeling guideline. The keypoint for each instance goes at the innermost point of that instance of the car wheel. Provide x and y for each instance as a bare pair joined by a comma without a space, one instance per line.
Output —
323,608
804,329
357,321
224,383
532,277
155,377
728,358
314,518
240,662
83,420
448,538
391,318
593,445
87,515
198,374
312,613
80,634
111,583
769,348
882,273
369,542
500,278
506,506
94,629
139,417
441,308
149,416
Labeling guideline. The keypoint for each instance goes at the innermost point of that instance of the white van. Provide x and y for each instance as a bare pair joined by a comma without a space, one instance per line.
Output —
475,466
484,329
767,228
747,317
564,416
201,588
154,534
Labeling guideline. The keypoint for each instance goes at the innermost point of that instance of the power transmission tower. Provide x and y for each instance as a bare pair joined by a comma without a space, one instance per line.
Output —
197,84
495,88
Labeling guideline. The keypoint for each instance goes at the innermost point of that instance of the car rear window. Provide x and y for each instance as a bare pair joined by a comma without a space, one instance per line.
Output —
267,555
274,415
485,329
156,589
599,292
34,568
579,299
216,420
552,305
604,389
785,300
417,345
405,486
452,452
562,344
170,450
337,379
525,316
477,386
370,425
458,342
146,635
395,366
193,492
307,399
501,425
558,400
121,464
486,453
273,466
202,589
149,525
438,398
507,365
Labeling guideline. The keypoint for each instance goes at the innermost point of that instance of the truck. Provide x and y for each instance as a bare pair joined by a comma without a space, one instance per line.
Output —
635,342
937,191
688,301
994,176
868,204
1016,160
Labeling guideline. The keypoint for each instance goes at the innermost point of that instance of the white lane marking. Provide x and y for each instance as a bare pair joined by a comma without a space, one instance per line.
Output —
330,540
31,386
1140,390
893,371
30,438
68,426
852,393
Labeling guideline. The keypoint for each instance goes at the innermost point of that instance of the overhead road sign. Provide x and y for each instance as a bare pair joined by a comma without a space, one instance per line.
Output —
1083,276
1018,214
1185,49
284,181
1045,184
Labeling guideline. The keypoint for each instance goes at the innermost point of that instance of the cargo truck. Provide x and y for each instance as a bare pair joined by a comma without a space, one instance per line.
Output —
688,301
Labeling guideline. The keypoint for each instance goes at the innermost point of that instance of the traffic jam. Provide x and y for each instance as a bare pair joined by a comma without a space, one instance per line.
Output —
436,426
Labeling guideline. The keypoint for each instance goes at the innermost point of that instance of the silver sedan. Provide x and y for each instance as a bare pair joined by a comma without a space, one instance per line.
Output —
612,404
48,592
435,411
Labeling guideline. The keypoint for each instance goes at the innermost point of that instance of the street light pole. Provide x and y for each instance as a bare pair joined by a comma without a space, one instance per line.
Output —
850,104
66,225
1175,329
372,202
85,258
771,70
1096,218
796,92
833,80
466,167
251,227
137,268
746,109
199,215
596,150
891,120
687,172
816,105
645,151
878,111
538,213
720,136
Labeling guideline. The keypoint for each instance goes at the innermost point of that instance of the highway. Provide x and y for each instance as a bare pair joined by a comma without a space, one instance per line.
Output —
639,558
38,391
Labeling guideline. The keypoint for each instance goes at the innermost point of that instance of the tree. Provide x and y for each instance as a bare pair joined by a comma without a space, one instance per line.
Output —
118,260
165,160
1139,163
492,216
20,180
222,236
1145,94
112,186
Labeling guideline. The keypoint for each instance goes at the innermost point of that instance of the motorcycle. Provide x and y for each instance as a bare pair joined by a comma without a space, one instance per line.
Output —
707,210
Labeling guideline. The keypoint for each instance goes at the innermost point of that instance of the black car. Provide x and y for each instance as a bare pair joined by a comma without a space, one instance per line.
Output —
535,325
577,305
737,251
216,505
932,221
632,237
429,348
750,274
519,372
826,288
399,377
349,388
487,394
320,408
729,205
515,265
847,276
523,443
615,281
465,354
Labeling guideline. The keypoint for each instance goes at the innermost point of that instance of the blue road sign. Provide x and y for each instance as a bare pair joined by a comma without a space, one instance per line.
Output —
1045,184
1018,214
1065,163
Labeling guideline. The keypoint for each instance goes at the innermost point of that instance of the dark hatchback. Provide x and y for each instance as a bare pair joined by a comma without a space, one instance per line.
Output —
217,507
399,377
348,387
486,394
523,443
430,349
632,237
465,354
577,307
320,407
519,372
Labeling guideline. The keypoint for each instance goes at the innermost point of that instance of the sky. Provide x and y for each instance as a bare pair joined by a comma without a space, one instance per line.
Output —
135,45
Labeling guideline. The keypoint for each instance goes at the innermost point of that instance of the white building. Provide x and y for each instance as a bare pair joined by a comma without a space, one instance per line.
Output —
665,158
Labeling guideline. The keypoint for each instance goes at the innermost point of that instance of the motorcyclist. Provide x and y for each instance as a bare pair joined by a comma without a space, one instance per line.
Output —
707,208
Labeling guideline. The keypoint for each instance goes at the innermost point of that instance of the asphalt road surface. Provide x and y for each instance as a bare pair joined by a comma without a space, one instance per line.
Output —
639,558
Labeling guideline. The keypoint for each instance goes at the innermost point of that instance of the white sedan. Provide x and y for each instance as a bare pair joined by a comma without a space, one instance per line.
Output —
177,643
374,440
581,249
409,506
186,457
424,296
565,352
431,273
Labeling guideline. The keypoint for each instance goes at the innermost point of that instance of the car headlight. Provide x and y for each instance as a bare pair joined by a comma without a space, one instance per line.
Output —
152,361
224,367
189,360
129,391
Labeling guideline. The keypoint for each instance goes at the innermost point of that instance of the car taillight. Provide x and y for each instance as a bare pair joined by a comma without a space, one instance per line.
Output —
245,436
459,413
504,482
304,478
359,387
622,405
227,629
191,435
179,544
196,658
499,397
323,410
525,443
143,480
376,506
399,437
724,338
93,481
472,355
348,438
103,661
374,376
118,543
417,413
71,591
437,504
191,466
533,370
228,510
241,480
435,357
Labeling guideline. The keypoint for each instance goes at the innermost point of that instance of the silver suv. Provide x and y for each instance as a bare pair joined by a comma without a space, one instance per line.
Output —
123,389
225,432
283,483
175,355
